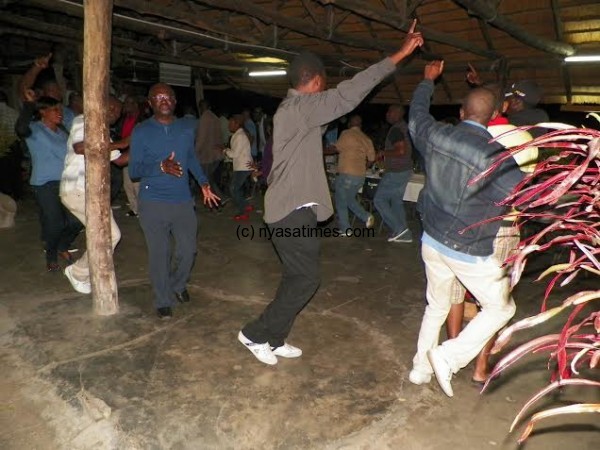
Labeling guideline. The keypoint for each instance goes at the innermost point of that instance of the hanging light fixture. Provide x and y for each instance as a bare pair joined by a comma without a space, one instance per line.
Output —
267,73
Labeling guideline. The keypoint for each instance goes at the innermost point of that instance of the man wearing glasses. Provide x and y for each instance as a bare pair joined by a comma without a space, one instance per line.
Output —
162,154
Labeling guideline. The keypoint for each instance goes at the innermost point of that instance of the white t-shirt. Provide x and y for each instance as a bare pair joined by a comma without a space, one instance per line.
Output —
73,176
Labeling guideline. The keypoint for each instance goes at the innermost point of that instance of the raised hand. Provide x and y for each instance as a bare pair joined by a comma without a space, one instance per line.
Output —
433,70
413,40
171,167
43,62
473,76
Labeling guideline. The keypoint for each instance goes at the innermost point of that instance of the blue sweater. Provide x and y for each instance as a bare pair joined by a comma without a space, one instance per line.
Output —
48,150
153,142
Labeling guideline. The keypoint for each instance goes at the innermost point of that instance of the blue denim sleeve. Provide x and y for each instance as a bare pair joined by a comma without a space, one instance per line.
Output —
420,121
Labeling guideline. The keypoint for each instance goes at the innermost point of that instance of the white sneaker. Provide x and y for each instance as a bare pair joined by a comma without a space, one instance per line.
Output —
417,377
83,287
262,352
347,234
402,237
442,370
370,221
287,351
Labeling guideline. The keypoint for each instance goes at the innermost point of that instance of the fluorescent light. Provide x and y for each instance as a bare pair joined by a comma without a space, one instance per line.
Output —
583,58
267,73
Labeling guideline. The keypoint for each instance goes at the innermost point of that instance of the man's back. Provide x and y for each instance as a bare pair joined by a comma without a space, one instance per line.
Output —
354,148
209,138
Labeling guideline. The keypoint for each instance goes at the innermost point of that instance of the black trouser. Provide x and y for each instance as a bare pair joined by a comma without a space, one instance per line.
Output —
116,182
299,281
59,226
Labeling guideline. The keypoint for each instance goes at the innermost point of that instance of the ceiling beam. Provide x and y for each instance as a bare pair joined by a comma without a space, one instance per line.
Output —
558,29
399,22
122,45
300,26
488,11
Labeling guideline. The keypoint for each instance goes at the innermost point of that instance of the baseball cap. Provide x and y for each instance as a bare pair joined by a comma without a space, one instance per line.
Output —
526,90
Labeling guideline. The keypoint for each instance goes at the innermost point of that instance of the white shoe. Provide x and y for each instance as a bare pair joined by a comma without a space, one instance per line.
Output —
402,237
442,370
417,377
287,351
347,234
262,352
370,221
80,286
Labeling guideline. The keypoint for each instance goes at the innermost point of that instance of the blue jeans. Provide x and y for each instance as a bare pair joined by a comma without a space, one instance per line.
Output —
59,226
346,188
389,200
238,178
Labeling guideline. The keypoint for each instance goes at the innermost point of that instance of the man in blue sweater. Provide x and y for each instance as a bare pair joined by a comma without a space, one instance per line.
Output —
162,154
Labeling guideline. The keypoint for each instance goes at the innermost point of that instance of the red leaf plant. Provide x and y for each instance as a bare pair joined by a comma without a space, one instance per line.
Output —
562,196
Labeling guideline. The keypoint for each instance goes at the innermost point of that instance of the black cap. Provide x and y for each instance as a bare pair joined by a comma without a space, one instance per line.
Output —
526,90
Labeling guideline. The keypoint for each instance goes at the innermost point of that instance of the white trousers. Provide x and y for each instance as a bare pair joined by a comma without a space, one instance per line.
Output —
75,202
132,189
487,281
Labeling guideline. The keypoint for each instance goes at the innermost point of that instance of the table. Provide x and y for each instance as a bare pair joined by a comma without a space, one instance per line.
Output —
413,188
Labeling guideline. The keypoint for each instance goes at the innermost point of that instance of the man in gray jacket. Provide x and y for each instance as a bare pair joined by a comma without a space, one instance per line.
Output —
298,196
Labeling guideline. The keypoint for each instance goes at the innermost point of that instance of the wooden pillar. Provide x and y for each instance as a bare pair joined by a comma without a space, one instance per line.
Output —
97,28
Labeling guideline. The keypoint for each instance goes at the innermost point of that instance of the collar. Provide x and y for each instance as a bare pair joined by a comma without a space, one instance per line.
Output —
471,122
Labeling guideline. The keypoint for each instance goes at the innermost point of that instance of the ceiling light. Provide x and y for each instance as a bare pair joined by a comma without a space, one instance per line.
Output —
267,73
583,58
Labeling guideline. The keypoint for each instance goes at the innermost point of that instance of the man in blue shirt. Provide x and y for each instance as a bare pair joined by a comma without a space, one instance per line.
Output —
456,244
162,154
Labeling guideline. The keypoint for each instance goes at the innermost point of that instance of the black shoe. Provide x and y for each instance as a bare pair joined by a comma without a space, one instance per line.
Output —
164,313
182,297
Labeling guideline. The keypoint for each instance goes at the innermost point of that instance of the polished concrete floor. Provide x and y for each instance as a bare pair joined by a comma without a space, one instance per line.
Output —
72,380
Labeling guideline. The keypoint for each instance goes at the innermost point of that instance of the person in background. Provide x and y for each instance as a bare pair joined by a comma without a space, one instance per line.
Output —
75,104
250,128
130,118
260,119
47,143
36,84
162,155
451,249
298,195
72,191
240,153
523,97
389,198
189,116
209,146
11,154
355,150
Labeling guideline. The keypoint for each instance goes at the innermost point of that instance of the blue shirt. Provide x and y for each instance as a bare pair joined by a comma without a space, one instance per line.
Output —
448,252
251,129
153,142
48,150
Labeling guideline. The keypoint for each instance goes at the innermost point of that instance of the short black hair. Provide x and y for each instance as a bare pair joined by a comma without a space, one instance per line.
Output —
304,67
44,103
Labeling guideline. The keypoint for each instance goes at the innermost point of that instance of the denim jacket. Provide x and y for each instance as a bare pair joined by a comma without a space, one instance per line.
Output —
453,156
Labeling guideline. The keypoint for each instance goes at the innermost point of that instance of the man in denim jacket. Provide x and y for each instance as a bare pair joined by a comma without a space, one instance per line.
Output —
454,155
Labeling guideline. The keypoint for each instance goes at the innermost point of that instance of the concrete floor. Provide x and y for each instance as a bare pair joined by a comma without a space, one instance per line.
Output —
72,380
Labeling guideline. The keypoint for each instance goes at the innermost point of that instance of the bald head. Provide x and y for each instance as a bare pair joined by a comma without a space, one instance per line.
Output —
355,121
478,106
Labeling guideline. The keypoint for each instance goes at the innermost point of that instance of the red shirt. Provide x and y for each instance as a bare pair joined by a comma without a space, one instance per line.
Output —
499,120
128,124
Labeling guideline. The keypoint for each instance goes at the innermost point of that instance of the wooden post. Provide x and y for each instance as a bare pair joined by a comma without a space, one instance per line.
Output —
97,29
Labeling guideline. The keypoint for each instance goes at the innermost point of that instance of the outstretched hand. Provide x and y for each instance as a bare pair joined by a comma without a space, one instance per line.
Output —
210,198
171,167
433,70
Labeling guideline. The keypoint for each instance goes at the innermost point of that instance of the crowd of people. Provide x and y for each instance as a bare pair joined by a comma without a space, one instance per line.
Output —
156,152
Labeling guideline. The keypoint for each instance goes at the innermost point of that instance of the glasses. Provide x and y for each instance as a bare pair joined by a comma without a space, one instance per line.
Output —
162,97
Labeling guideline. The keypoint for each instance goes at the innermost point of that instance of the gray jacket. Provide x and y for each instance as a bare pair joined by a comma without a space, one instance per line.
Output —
298,177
